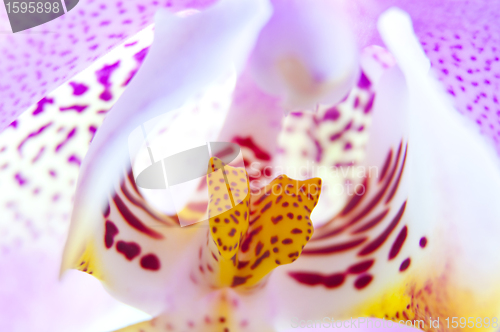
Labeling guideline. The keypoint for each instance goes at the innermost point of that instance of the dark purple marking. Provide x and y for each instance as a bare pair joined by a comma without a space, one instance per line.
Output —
77,108
372,222
423,242
260,259
129,249
405,264
248,240
73,159
377,243
354,200
369,105
364,82
38,155
150,262
398,244
31,135
249,143
110,231
70,135
332,114
78,88
103,76
335,248
363,281
106,211
21,180
133,221
315,279
385,168
398,179
92,130
239,280
361,267
40,106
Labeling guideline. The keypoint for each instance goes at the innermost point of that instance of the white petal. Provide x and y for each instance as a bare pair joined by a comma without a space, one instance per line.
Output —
306,55
188,54
455,171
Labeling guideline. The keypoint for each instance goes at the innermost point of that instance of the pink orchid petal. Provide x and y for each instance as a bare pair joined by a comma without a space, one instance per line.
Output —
189,54
254,123
305,55
458,180
40,155
397,257
461,40
36,61
331,143
347,256
33,298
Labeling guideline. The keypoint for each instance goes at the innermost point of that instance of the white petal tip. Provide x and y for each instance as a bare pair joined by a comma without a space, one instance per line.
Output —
396,29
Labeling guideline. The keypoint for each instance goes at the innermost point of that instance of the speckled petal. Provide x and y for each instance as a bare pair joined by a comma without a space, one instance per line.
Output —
396,256
461,40
183,61
36,61
331,143
40,155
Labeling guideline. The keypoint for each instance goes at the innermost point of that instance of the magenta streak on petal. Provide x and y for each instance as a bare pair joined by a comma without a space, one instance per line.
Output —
73,159
92,130
336,136
41,104
103,76
34,64
130,44
332,114
33,134
20,179
38,155
139,57
13,124
317,144
369,105
314,279
364,82
133,220
335,248
380,240
77,108
78,88
68,137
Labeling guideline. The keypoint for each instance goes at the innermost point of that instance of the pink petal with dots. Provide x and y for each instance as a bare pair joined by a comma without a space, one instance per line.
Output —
393,250
461,39
36,61
189,54
40,155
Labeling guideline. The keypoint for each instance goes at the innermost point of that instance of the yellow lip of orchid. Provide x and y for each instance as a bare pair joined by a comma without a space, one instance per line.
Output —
260,233
243,243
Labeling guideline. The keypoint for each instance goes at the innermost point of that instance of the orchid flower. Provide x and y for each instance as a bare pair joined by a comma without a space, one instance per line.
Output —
415,240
